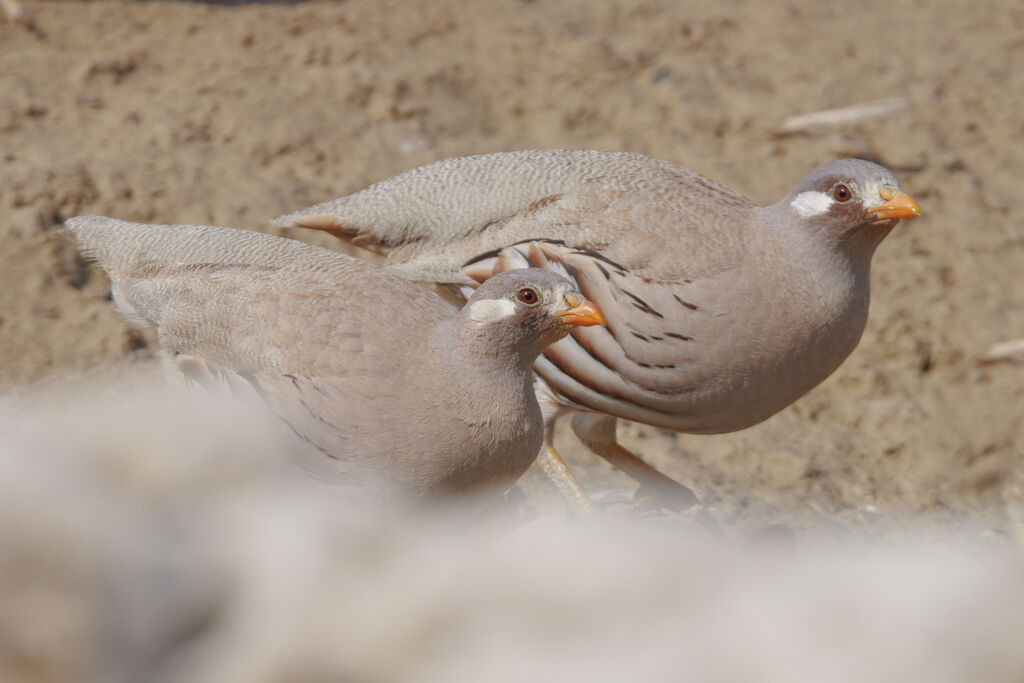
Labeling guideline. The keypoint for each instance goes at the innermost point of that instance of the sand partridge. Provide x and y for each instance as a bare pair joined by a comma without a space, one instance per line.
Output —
387,382
720,312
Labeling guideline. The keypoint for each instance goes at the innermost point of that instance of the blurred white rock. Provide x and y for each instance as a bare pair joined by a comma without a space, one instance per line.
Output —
151,537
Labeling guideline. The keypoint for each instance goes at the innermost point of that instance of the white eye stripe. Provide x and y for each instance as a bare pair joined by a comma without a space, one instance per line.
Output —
812,203
491,310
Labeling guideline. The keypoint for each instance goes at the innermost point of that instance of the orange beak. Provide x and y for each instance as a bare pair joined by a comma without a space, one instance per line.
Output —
896,205
583,313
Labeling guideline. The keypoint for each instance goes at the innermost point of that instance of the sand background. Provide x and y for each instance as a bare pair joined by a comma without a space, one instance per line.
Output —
192,113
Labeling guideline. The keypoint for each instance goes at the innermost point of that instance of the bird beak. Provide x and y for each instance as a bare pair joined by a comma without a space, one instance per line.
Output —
583,313
895,205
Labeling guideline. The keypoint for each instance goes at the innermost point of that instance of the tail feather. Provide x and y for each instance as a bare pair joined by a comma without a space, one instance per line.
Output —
144,261
448,200
332,225
115,246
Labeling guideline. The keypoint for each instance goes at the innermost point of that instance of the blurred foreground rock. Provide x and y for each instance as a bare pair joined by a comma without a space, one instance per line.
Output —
146,538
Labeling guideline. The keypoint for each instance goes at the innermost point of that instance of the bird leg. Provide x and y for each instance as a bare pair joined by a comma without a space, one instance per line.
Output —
597,432
558,472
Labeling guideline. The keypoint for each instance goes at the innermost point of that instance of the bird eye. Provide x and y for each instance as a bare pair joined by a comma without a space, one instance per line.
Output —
528,296
841,193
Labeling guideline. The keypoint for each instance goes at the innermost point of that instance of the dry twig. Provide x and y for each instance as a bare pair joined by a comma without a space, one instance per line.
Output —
843,115
1007,350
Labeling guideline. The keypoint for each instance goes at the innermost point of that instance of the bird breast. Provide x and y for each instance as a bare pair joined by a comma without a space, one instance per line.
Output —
708,355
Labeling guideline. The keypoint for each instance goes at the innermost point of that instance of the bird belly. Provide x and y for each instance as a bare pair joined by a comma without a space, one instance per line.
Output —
726,380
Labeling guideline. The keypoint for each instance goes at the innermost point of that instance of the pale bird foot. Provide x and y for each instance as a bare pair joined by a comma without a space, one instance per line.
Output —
558,472
597,433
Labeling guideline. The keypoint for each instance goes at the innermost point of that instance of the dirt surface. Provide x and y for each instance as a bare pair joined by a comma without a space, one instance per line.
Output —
191,113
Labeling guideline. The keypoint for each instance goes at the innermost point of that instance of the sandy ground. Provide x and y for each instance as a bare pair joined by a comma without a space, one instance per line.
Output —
191,113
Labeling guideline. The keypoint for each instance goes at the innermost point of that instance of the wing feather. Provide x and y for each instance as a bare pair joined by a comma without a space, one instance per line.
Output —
653,216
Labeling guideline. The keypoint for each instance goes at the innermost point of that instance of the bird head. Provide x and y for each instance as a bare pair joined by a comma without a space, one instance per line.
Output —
530,307
850,200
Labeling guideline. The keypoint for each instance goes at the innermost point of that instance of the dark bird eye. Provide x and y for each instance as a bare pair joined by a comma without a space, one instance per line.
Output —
841,193
528,296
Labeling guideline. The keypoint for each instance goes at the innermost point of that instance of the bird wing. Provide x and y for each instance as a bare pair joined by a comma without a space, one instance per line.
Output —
656,218
315,331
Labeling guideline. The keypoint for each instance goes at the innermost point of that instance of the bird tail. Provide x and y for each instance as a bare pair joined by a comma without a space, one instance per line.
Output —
114,245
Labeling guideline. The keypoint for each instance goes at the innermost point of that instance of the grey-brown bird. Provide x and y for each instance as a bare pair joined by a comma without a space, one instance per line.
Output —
388,383
720,312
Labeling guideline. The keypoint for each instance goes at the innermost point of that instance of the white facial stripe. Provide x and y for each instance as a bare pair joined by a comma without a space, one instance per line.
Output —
812,203
491,310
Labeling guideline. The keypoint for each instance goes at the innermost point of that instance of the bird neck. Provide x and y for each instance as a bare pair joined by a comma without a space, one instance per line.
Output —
495,378
842,251
822,284
478,350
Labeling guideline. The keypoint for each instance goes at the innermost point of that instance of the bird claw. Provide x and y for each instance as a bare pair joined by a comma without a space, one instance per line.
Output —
666,495
650,500
644,504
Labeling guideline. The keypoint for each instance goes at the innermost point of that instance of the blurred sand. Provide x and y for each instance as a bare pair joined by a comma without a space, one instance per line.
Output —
190,113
